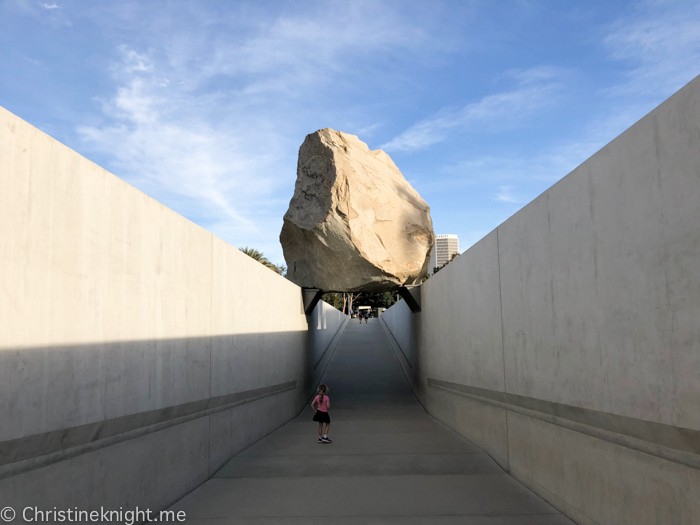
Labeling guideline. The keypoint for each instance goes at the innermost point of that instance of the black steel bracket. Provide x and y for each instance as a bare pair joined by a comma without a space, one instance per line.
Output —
311,298
411,294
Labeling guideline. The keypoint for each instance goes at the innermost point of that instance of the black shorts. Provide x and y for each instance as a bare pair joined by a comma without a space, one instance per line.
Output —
322,417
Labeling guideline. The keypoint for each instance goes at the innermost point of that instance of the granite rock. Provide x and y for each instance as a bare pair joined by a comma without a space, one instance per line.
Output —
354,222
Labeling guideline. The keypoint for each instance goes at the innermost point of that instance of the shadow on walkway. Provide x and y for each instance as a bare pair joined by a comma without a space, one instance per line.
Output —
389,463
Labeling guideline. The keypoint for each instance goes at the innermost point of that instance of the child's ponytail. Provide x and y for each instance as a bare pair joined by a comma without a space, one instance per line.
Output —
322,389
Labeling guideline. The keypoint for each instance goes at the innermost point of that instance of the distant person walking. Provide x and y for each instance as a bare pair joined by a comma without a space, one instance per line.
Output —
323,403
359,316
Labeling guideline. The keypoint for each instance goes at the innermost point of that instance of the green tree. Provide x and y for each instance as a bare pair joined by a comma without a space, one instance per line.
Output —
258,256
336,300
347,301
438,268
341,301
379,299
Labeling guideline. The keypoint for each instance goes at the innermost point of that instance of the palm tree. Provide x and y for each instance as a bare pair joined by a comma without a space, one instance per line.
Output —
258,256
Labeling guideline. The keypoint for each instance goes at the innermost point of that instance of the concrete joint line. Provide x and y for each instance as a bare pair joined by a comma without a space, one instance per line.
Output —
394,343
555,501
503,344
318,375
660,450
333,343
11,466
403,363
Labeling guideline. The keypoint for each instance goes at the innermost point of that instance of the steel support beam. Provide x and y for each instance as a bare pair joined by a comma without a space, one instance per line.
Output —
411,294
311,298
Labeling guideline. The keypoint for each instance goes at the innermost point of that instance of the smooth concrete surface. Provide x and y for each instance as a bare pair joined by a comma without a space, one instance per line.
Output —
587,302
584,476
115,477
114,311
390,462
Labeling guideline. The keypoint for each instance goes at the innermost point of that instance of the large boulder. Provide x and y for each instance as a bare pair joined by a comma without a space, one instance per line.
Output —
354,222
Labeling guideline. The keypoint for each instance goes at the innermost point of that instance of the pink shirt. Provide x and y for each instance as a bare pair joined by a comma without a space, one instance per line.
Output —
326,403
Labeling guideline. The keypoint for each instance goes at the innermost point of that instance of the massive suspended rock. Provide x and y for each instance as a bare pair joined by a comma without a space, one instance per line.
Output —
354,222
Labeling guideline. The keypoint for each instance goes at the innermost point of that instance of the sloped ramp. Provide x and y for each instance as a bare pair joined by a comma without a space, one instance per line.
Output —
389,463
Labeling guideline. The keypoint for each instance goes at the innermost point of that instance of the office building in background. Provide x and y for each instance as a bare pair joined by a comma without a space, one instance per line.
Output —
445,247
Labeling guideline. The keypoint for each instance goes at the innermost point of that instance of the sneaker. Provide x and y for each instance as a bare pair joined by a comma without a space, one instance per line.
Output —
320,440
326,440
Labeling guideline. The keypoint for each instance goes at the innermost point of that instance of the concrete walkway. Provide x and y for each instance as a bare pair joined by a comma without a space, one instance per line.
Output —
389,463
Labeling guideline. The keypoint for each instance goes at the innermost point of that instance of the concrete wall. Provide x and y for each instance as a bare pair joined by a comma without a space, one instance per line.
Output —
325,328
566,343
138,352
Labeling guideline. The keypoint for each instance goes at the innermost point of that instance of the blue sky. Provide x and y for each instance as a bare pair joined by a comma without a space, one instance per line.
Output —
203,105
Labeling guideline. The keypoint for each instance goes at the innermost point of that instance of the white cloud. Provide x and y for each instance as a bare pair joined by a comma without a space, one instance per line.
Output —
32,60
368,131
206,120
56,16
132,61
531,174
536,74
164,145
501,175
537,88
662,44
505,194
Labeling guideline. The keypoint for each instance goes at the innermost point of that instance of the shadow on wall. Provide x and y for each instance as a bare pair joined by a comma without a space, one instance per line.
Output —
403,328
144,422
565,343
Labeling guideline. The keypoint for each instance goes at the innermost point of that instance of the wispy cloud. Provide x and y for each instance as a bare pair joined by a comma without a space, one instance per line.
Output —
132,61
32,60
547,165
661,42
537,88
164,145
368,131
505,194
51,6
207,120
533,75
517,179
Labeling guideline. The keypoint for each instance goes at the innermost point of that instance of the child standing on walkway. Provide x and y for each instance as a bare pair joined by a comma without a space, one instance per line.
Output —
322,403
